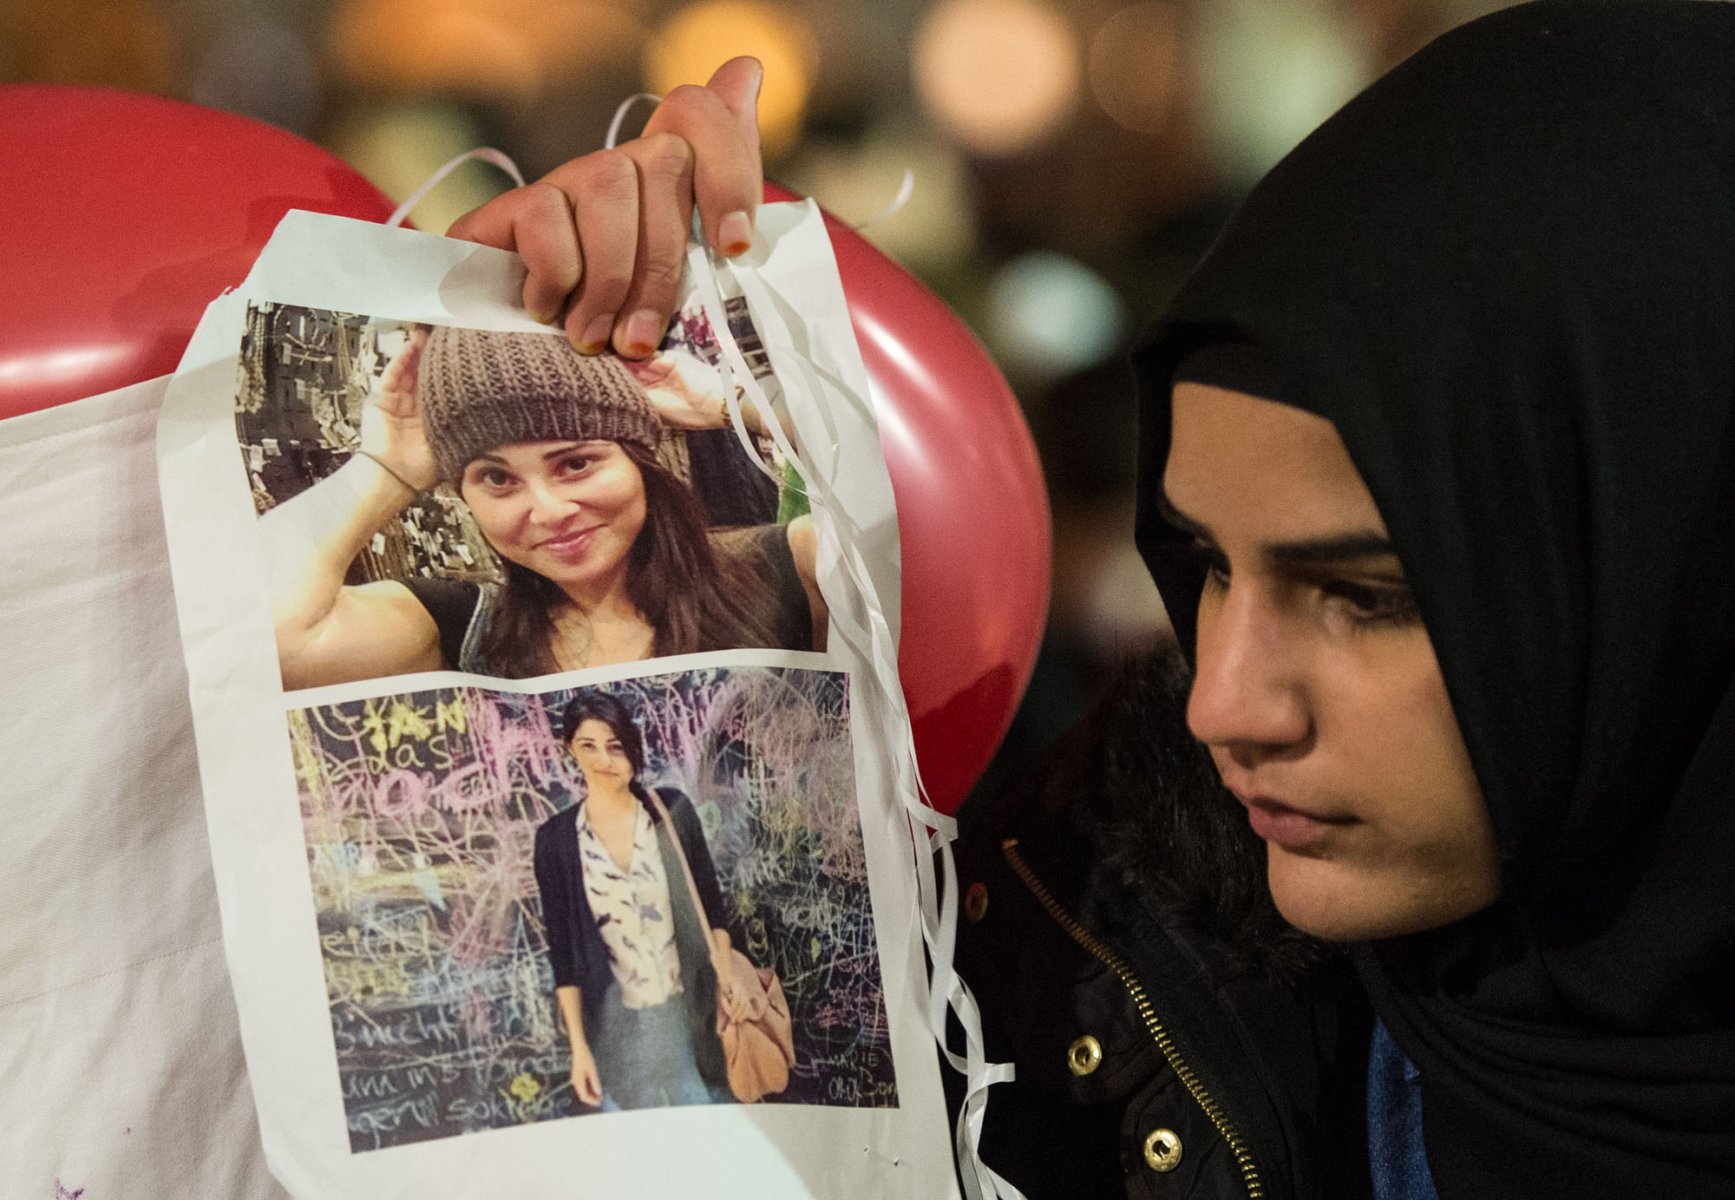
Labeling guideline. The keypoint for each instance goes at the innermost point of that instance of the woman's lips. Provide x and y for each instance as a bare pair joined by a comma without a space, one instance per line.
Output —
570,545
1288,827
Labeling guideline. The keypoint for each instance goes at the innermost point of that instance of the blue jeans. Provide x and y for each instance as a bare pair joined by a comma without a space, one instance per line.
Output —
644,1056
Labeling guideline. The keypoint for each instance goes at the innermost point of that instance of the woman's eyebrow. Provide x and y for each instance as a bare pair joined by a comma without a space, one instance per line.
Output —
1331,549
569,447
1327,550
1180,520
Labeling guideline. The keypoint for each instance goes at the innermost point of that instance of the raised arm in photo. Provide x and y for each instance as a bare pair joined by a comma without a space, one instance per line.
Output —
329,632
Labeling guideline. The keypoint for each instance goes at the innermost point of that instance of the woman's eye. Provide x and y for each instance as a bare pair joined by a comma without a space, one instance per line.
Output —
1374,603
575,464
493,478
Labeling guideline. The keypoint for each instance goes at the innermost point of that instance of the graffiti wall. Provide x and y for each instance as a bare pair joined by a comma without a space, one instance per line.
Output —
420,812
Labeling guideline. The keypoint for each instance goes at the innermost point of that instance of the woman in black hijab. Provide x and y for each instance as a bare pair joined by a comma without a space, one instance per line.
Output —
1504,277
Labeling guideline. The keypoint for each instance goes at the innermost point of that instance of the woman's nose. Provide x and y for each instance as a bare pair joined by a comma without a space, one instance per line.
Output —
1248,694
549,505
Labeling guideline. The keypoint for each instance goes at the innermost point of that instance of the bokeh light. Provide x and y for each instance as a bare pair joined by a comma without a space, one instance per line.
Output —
1309,56
1050,314
498,50
998,75
443,45
702,37
109,43
1135,65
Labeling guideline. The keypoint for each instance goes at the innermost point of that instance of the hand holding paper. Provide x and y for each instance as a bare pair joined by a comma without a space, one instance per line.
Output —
604,236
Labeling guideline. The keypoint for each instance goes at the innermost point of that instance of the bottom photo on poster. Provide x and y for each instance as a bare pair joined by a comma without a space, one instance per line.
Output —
638,894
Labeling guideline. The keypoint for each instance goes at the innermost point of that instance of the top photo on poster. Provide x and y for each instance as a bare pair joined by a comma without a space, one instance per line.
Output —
438,497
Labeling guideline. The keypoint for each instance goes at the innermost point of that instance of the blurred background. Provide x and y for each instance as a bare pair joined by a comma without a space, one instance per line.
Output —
1071,159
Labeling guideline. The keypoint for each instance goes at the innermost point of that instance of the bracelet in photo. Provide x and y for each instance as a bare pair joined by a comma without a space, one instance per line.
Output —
387,468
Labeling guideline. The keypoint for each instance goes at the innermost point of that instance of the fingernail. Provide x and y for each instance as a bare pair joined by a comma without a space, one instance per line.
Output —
642,333
596,334
544,316
735,234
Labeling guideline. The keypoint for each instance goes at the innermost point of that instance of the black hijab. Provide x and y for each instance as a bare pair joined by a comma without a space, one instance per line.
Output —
1506,273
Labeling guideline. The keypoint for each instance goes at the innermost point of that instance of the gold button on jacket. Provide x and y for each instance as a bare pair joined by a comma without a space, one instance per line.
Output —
1163,1150
1084,1055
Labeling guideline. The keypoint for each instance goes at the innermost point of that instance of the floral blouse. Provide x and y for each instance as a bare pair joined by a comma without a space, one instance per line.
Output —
633,913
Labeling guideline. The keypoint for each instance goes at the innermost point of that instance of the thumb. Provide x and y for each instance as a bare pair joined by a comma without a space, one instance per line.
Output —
736,83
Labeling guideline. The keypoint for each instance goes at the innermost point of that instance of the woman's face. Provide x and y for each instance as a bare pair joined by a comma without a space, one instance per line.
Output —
601,756
570,511
1317,690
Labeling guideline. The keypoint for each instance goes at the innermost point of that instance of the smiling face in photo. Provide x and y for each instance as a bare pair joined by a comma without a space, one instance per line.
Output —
1316,689
601,755
569,511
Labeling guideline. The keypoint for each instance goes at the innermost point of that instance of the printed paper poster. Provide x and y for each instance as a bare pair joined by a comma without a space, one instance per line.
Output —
549,730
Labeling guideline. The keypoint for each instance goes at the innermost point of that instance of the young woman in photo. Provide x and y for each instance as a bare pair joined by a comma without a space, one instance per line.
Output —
1438,483
606,555
631,958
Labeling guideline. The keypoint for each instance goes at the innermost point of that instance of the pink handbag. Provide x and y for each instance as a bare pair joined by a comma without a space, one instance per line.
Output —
753,1020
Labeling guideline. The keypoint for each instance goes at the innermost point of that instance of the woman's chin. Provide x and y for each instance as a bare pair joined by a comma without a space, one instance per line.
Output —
575,578
1342,902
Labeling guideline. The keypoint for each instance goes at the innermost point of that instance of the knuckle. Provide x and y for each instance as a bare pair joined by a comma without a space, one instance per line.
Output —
543,201
606,174
687,95
687,103
660,275
605,293
664,154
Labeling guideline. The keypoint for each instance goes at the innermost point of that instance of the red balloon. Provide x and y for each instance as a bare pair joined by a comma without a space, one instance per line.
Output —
125,215
972,514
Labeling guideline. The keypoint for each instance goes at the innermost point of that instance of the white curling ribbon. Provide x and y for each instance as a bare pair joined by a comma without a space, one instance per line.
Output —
872,637
939,926
620,115
485,154
906,189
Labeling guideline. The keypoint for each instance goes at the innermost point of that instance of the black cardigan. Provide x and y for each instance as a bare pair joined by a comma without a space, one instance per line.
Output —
576,951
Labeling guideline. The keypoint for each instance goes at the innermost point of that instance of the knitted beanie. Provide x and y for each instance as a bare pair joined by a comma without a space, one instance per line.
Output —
482,388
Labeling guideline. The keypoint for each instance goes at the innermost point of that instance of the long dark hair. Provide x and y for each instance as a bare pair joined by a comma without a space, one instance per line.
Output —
693,600
1162,824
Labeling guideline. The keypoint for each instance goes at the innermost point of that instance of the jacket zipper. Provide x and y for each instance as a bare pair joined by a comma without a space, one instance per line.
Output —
1166,1044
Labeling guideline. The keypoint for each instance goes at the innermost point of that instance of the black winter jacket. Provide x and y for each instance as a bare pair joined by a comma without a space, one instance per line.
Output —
1172,1037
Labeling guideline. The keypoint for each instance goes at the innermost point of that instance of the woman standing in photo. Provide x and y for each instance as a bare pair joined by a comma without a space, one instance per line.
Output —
606,555
632,960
